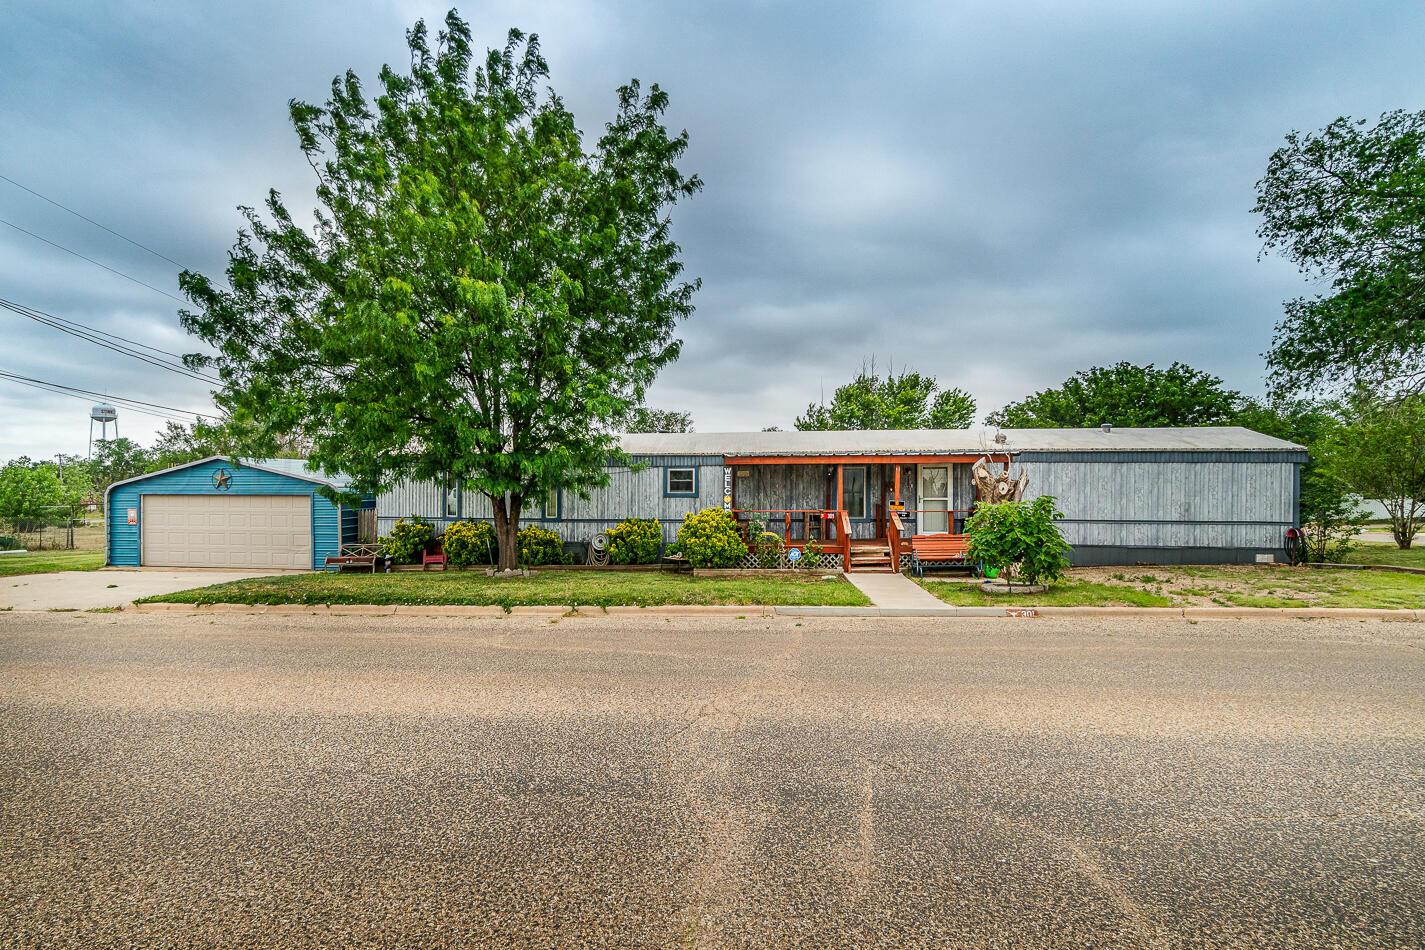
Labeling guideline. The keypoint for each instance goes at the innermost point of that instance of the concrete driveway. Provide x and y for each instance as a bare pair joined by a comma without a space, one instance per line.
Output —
231,780
86,590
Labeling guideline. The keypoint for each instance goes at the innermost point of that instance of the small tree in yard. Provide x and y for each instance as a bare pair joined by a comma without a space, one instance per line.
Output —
482,299
1019,538
1380,454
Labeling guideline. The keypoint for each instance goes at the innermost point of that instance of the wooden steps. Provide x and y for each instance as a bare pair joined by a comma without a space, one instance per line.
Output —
872,558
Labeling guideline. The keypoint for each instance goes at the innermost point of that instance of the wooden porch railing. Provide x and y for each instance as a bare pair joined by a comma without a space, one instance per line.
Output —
894,537
822,519
843,530
952,515
833,534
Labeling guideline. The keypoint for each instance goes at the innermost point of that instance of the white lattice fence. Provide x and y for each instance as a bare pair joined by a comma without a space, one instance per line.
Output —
780,562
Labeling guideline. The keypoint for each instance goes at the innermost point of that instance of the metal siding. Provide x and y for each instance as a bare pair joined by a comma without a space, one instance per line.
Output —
630,493
1169,500
1191,504
197,480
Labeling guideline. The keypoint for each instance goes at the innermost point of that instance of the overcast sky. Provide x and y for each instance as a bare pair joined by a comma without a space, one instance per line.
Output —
996,194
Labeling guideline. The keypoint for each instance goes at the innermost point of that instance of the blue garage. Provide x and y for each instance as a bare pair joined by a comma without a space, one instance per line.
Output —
217,512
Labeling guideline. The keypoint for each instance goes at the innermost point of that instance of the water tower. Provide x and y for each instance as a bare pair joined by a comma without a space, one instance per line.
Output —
106,415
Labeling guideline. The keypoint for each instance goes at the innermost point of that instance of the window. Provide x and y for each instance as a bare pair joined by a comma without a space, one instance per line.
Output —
452,498
551,504
680,481
853,491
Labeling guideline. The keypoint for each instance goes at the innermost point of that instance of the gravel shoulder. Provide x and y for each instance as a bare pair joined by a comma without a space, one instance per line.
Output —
651,782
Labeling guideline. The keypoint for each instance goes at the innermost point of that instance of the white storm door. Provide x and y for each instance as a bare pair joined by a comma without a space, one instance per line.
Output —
934,499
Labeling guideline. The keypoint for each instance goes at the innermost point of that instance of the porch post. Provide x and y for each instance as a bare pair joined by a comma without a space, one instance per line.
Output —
837,506
897,498
883,517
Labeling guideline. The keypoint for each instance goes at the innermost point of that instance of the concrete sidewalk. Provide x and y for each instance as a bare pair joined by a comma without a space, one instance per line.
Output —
89,590
896,591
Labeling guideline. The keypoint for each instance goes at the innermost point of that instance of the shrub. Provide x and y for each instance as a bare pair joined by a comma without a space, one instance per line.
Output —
767,546
469,542
9,542
407,540
710,538
635,541
540,546
811,554
1019,538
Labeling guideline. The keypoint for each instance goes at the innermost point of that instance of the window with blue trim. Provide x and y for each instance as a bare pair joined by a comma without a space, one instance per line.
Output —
551,505
680,481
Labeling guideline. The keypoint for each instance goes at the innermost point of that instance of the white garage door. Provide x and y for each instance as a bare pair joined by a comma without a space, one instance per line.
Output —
227,531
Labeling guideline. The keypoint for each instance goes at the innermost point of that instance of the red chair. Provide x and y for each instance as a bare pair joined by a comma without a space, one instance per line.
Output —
433,554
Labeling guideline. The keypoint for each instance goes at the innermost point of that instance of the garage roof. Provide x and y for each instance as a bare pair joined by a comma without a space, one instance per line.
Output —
953,441
296,468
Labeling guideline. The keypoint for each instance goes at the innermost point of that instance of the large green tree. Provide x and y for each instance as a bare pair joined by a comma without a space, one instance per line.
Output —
117,459
1379,453
1348,204
482,297
908,401
30,495
179,443
644,419
1125,394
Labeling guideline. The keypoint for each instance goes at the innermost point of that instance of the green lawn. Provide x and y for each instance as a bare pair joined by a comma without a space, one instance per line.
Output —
1067,593
1225,586
43,562
1370,552
548,588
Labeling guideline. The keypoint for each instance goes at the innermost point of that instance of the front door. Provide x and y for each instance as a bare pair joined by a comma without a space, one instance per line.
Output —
934,496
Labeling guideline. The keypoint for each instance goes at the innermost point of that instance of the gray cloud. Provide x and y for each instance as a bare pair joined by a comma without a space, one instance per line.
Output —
996,194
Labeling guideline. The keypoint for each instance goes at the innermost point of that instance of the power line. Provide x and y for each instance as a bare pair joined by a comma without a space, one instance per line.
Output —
168,416
95,223
125,402
92,261
102,339
77,324
89,393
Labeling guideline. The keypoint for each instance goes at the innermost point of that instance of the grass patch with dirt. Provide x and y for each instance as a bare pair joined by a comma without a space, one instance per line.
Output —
45,562
543,589
1209,586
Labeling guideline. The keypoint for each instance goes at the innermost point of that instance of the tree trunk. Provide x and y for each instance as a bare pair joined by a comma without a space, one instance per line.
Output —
507,528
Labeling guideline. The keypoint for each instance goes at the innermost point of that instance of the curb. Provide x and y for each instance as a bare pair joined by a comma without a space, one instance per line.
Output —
697,610
946,611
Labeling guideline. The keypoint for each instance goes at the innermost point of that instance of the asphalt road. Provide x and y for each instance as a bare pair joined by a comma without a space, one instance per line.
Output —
235,780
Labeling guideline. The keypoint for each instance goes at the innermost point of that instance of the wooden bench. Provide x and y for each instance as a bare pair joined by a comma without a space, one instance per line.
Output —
358,555
945,549
678,562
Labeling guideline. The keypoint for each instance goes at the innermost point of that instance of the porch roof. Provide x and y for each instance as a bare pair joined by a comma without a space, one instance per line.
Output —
945,444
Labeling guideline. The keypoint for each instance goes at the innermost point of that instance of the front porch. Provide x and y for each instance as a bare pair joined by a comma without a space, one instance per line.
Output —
860,513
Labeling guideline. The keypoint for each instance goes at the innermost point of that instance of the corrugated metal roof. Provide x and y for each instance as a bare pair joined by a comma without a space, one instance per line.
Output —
301,469
951,441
